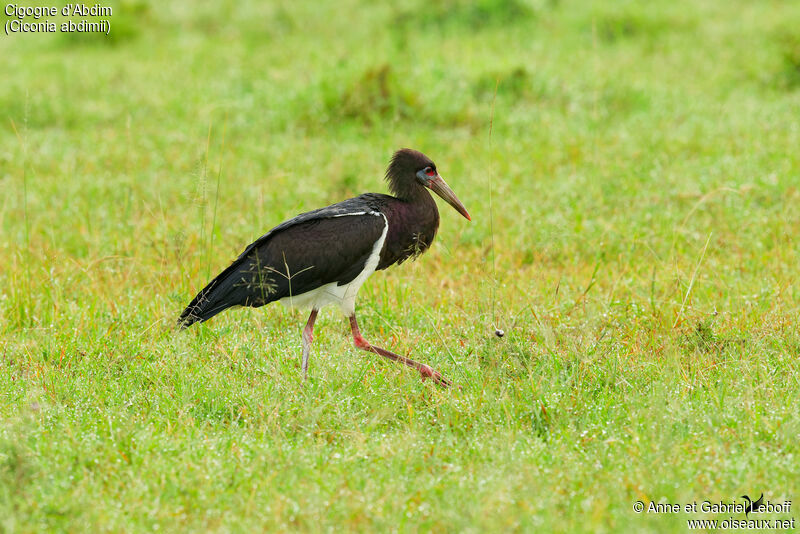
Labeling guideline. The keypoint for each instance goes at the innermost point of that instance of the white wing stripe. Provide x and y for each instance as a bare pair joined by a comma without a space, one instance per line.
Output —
376,213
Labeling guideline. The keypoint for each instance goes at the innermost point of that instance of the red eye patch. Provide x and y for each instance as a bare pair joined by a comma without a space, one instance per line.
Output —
430,172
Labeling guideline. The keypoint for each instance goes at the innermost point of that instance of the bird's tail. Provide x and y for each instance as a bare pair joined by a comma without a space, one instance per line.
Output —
203,307
230,288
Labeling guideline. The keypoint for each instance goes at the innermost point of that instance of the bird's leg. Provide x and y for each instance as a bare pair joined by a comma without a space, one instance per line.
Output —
308,337
425,370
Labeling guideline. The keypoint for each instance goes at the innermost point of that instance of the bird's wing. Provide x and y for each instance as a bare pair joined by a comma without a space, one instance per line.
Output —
304,253
759,503
318,251
363,204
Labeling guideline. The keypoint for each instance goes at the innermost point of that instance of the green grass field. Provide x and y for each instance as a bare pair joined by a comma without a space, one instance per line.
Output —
643,170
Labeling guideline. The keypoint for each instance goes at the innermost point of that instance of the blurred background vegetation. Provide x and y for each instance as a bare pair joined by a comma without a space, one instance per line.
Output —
642,168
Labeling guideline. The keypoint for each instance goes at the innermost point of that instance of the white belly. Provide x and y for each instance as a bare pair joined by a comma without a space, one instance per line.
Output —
343,295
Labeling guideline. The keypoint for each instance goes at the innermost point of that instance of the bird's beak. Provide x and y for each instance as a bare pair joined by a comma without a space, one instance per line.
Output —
440,187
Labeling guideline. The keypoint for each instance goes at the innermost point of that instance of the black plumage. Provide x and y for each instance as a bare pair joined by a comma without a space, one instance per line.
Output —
324,255
295,257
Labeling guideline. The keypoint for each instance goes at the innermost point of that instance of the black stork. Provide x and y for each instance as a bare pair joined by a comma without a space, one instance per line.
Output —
323,256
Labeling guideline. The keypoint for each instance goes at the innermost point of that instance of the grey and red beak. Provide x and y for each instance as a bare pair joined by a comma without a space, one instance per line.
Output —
440,187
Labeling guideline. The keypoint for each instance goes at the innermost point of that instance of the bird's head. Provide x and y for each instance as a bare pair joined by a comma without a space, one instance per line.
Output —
410,169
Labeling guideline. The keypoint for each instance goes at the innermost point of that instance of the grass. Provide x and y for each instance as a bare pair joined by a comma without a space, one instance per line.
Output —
644,172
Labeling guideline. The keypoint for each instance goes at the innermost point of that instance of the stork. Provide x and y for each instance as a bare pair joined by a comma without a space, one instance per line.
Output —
324,256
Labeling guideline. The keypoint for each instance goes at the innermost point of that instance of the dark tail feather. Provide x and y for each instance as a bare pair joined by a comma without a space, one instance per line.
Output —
226,290
202,307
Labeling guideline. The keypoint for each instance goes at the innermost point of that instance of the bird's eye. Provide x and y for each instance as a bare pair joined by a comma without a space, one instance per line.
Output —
429,171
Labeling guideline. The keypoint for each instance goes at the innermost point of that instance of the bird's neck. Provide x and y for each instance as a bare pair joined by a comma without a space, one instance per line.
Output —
419,200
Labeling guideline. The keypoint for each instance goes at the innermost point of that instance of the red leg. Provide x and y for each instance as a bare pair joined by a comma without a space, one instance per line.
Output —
425,370
308,338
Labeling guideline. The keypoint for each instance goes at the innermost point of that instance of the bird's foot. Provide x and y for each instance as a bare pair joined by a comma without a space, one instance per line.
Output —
426,371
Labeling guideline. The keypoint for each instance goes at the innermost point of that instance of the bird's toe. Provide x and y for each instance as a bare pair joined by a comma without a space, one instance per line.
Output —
426,371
